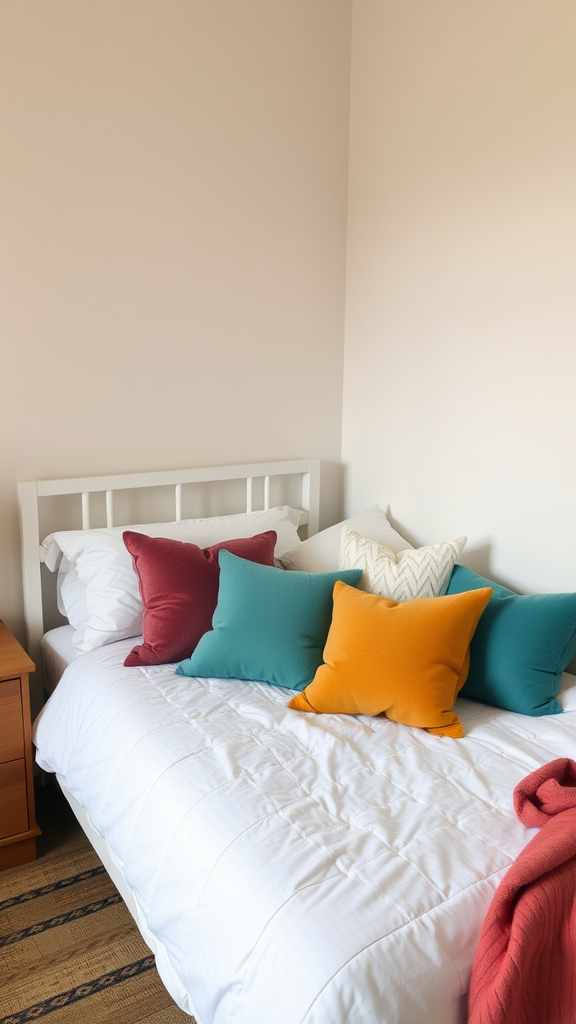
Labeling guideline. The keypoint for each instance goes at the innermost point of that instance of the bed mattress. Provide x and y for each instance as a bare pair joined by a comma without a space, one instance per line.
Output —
296,868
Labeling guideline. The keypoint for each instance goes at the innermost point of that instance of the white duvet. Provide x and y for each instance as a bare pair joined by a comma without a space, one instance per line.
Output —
294,868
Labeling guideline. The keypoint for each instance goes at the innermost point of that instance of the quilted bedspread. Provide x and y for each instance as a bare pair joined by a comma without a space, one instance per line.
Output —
293,868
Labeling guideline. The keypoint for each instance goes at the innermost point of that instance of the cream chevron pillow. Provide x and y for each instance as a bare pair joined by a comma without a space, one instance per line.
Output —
406,576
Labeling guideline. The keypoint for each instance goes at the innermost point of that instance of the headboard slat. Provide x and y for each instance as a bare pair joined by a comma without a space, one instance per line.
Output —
109,509
85,510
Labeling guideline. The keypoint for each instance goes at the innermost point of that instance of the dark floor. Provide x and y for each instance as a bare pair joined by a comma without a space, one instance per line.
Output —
53,814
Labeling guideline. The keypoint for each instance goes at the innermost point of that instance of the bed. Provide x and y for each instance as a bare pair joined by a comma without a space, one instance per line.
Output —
301,869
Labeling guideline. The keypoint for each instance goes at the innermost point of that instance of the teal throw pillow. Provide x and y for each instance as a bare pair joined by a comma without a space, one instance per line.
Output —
270,624
522,645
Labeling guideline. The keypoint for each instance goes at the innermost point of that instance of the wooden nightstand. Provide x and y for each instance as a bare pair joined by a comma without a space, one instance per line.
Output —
18,828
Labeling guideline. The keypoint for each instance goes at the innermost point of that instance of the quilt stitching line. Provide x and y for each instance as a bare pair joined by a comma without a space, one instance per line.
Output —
144,700
250,777
314,838
387,937
253,735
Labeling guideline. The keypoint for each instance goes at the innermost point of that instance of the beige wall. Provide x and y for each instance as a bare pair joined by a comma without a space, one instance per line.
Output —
172,233
460,356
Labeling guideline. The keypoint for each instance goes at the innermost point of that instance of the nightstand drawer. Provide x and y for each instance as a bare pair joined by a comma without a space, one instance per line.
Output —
13,802
11,722
18,828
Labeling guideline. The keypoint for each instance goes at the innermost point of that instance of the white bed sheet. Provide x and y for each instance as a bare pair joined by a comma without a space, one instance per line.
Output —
294,868
58,651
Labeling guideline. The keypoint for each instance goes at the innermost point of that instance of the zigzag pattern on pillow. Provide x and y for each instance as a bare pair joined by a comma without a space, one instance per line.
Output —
407,576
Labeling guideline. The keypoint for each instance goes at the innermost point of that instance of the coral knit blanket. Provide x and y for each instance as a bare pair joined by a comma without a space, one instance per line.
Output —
525,966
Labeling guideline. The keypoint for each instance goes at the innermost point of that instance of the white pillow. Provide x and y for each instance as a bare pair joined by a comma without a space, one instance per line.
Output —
100,594
403,575
321,553
72,595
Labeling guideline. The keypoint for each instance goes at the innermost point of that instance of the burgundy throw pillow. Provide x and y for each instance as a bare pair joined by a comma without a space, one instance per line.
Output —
179,589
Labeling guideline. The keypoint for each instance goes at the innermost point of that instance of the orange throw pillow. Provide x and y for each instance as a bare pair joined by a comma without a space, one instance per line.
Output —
404,660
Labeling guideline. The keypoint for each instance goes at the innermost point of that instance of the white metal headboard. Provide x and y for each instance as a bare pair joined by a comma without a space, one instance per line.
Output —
29,495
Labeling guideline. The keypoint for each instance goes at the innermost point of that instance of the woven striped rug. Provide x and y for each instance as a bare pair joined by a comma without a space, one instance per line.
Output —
69,949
